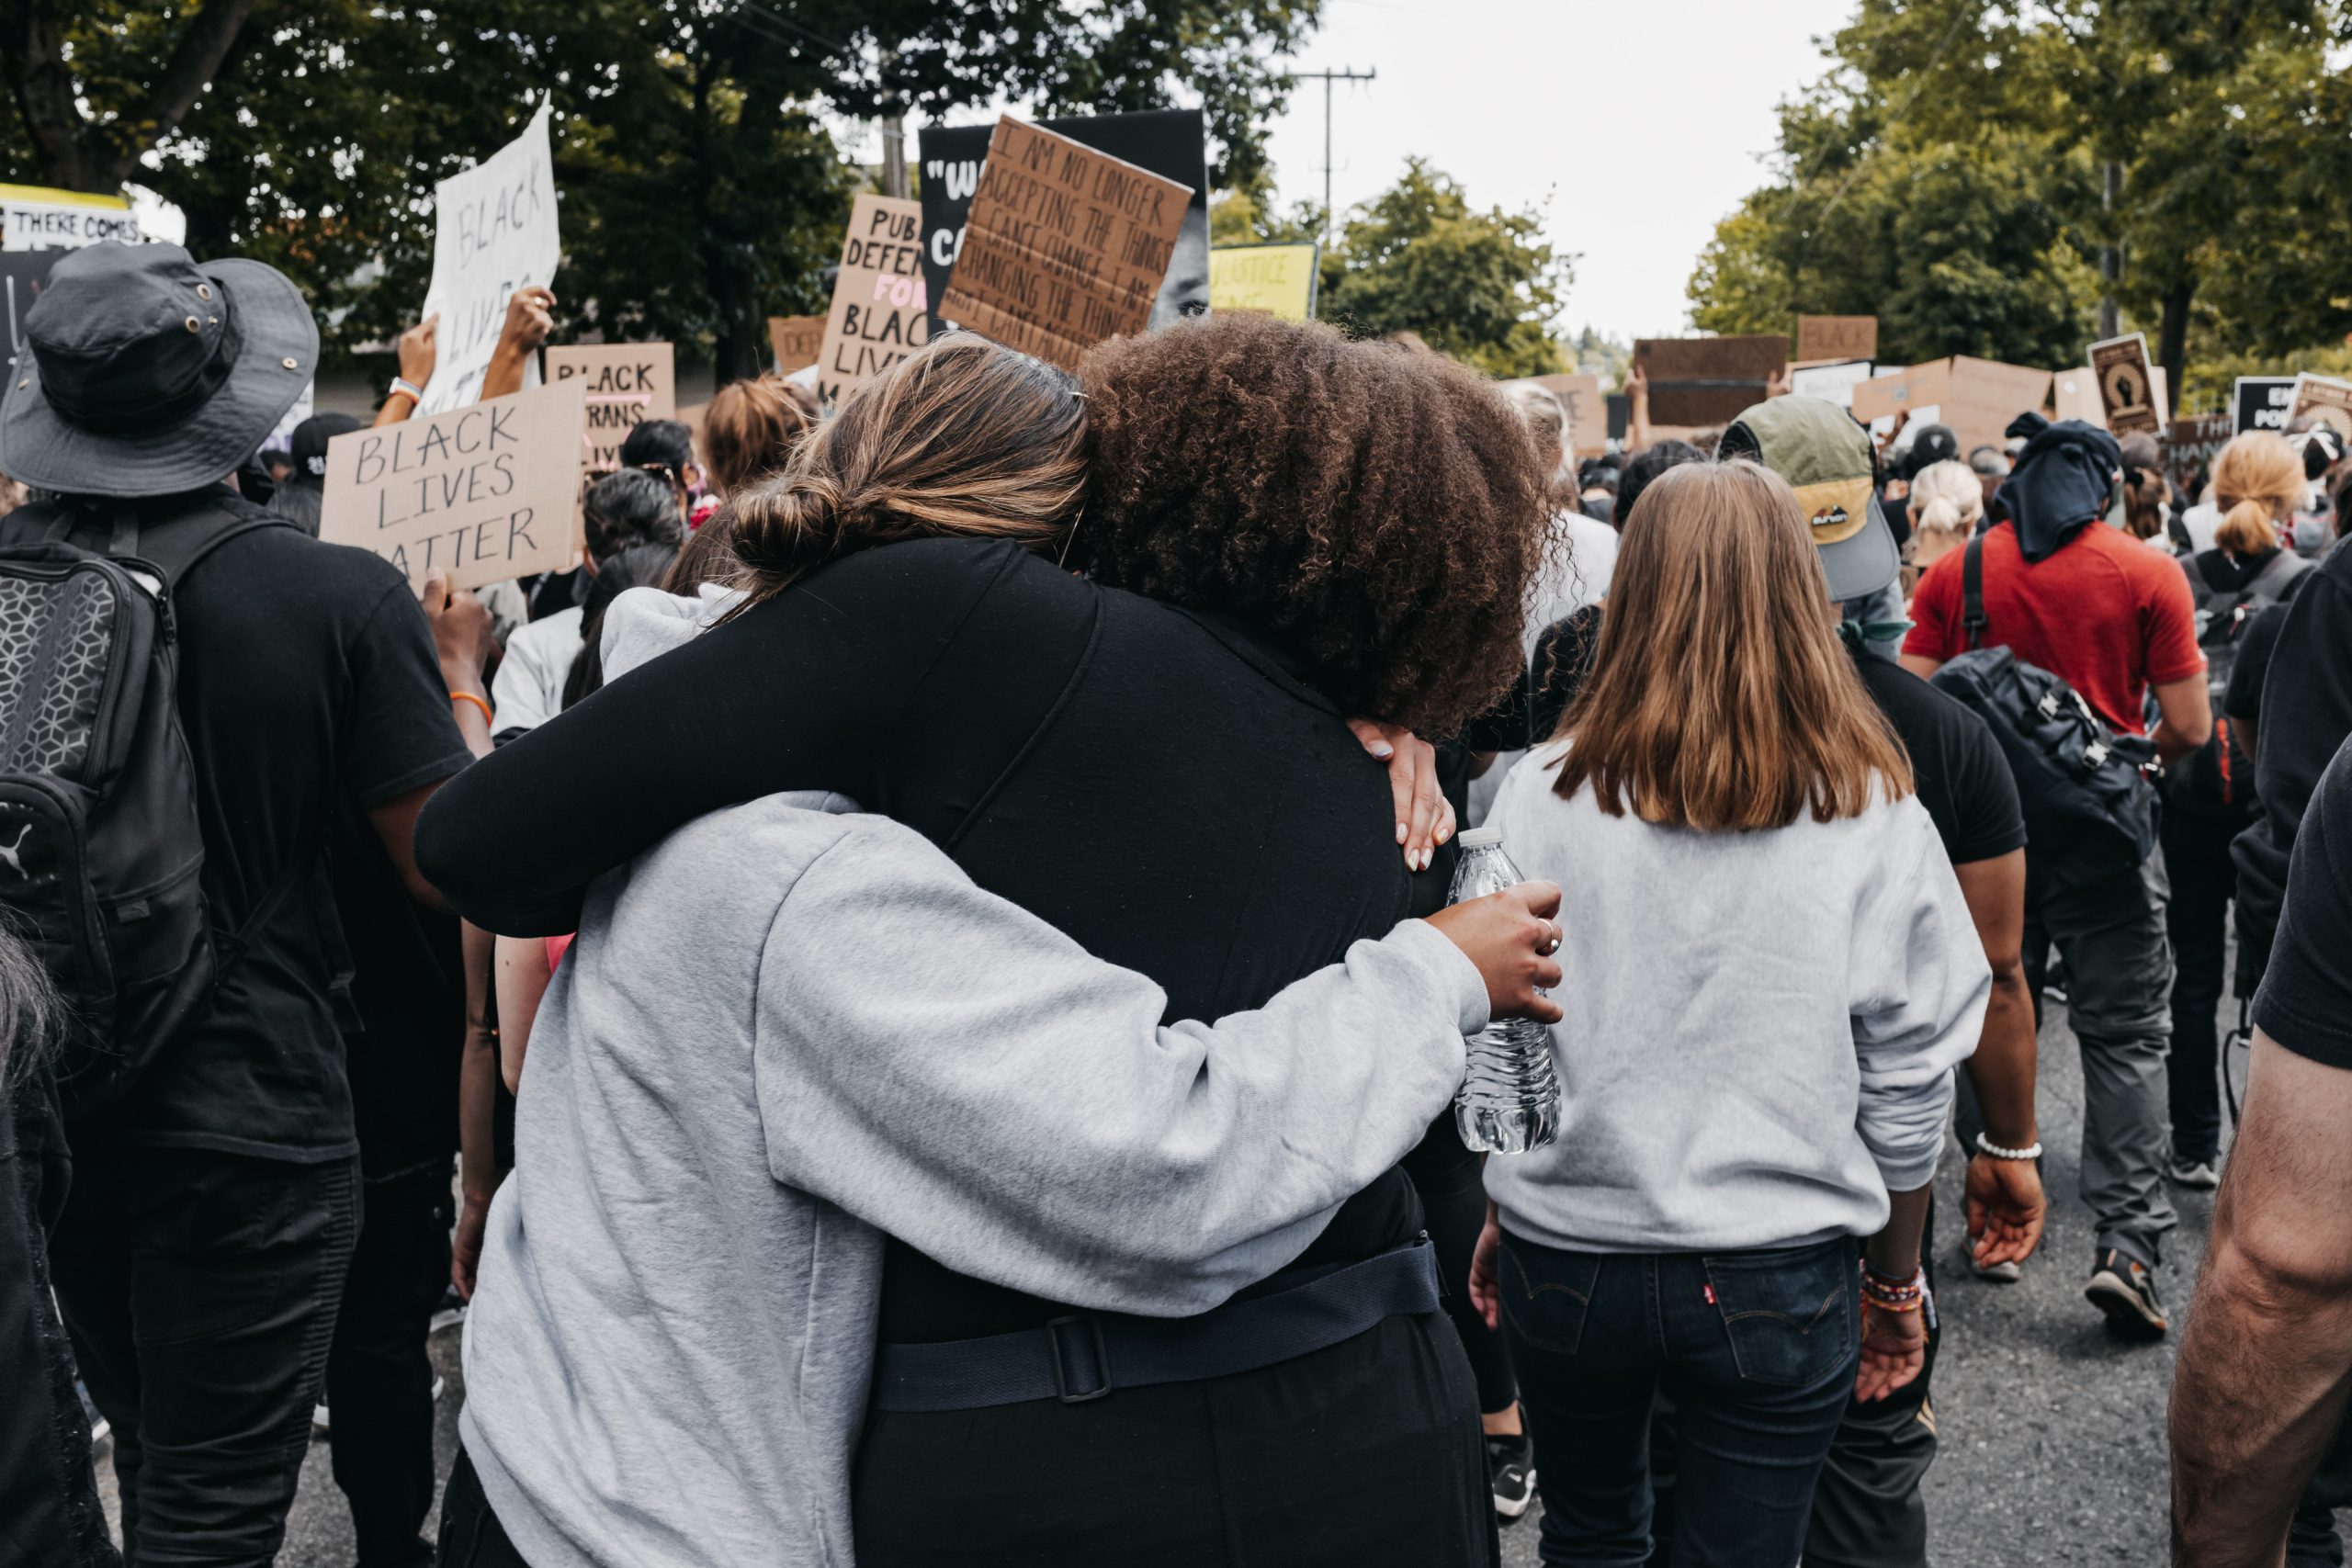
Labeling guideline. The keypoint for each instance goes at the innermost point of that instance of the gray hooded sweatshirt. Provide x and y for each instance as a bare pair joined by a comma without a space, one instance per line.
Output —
782,1033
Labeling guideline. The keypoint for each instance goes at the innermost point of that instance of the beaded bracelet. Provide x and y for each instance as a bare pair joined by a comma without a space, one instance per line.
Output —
1891,1295
1986,1145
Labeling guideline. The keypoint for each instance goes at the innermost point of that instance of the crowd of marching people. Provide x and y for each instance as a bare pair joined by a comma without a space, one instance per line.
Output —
913,1001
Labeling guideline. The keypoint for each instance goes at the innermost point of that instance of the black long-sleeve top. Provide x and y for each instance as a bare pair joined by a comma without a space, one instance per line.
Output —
1166,787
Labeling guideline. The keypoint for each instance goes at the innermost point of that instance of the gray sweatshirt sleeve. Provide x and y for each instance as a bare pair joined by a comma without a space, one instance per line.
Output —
963,1076
1923,983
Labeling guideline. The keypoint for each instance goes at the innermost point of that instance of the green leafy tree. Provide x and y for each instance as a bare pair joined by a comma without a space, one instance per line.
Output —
698,193
1592,353
1481,286
1976,140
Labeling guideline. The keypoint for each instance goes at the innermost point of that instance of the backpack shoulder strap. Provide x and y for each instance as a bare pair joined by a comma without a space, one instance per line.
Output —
196,532
1972,592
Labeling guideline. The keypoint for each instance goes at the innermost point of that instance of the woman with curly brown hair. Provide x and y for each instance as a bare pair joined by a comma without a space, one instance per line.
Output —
1170,779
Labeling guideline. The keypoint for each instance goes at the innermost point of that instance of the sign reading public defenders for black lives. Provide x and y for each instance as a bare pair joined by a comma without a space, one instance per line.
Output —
879,316
485,492
1172,143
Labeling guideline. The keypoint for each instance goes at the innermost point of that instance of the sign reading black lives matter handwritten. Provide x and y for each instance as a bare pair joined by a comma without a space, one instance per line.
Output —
1065,246
483,492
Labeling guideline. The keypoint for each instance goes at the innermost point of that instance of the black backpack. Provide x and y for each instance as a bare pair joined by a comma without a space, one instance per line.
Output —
2088,807
100,852
2217,779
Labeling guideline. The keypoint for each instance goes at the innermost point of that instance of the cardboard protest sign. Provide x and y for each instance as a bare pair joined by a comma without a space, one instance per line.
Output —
23,275
796,341
878,317
1276,280
1977,398
485,492
2190,445
494,232
2324,399
1832,383
625,384
1172,143
2127,392
1823,338
36,217
1699,381
1065,246
1587,415
2073,394
2260,402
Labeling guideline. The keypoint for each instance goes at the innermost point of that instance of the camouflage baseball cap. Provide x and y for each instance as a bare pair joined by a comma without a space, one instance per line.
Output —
1825,456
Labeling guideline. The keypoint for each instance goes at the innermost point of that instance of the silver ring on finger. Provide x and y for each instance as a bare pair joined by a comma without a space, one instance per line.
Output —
1553,945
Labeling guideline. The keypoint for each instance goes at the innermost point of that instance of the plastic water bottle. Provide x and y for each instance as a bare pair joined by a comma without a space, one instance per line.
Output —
1510,1099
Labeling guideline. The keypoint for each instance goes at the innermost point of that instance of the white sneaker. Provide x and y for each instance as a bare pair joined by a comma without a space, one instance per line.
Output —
2199,1175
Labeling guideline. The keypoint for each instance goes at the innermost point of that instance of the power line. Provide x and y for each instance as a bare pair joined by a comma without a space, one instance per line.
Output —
1346,74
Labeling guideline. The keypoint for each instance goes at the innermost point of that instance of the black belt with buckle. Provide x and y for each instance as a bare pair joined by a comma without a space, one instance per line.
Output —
1085,1355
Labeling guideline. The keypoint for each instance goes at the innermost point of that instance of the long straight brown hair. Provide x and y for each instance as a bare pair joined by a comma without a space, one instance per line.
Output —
1720,696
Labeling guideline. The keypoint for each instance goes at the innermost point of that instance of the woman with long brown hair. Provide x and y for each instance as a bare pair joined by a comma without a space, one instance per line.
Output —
1770,972
1155,760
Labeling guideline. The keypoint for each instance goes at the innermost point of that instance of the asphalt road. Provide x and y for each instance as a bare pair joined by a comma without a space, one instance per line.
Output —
2053,1440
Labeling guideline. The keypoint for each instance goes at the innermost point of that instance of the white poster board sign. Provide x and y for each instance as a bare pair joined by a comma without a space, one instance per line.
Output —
496,232
35,218
1831,383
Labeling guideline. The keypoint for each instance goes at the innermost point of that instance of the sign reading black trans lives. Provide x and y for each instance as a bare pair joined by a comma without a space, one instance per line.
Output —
1172,143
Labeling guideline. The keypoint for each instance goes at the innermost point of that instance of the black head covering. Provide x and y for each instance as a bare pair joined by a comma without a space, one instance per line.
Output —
304,495
2062,480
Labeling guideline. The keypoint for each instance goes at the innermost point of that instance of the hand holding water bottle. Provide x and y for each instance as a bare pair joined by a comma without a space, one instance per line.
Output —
1509,935
1509,1100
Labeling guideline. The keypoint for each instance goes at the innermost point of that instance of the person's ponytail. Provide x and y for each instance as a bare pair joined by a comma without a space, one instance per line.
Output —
965,439
2248,529
1940,516
2257,479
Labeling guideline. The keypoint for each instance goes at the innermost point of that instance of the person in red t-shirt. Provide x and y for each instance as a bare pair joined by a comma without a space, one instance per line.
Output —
2114,619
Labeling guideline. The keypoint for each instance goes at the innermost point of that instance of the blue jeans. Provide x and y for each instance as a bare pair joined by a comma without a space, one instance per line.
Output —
1757,1350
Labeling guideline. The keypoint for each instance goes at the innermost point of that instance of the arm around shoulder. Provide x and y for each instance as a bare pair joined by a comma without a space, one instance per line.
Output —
953,1070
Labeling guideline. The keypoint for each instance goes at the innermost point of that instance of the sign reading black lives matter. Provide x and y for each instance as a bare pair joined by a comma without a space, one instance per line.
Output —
1172,143
495,232
1065,246
483,492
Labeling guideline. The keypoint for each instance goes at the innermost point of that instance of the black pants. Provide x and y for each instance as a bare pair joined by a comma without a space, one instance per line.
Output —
379,1380
1455,1220
1362,1455
1756,1349
2204,879
472,1536
1866,1511
199,1289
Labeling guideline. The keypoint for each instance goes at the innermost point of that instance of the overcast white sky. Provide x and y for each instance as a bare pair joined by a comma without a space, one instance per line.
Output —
1636,124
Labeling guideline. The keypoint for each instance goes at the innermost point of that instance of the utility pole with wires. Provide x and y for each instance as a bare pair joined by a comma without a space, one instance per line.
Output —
1343,74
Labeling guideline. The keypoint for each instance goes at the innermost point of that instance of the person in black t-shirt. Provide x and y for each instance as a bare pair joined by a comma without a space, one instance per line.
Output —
204,1245
2259,1388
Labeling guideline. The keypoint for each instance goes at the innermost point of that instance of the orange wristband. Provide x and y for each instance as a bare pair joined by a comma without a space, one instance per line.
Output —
487,717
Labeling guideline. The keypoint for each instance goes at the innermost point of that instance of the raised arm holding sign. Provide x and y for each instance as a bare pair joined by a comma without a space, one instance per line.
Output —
496,232
1065,246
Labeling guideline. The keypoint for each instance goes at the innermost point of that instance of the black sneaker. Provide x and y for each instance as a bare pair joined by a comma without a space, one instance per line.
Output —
1512,1468
2126,1291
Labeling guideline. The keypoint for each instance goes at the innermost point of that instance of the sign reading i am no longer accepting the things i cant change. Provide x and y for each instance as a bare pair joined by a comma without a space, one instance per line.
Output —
1065,246
879,316
483,492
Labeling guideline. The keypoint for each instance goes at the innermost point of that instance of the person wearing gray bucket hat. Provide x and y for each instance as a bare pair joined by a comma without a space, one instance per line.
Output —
149,373
259,696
